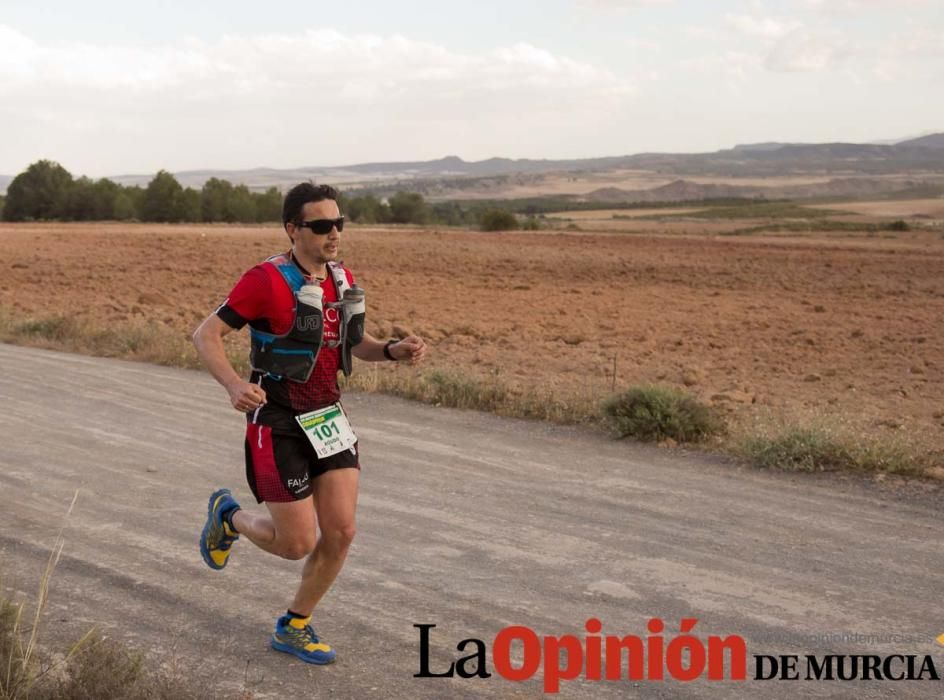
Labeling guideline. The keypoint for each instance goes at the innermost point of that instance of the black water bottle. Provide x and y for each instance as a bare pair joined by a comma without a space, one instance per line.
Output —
354,311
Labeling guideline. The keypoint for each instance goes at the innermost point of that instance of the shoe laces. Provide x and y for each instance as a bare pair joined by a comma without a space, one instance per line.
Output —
303,636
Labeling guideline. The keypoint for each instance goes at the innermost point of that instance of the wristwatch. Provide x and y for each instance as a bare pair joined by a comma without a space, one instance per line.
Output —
387,353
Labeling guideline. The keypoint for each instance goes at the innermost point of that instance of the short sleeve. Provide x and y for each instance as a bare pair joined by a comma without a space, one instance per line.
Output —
248,300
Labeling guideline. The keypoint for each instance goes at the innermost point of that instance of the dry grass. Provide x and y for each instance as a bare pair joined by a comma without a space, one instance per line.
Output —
93,668
127,340
817,443
454,389
642,412
814,449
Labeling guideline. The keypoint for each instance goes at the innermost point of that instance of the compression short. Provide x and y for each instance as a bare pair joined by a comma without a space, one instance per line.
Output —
282,465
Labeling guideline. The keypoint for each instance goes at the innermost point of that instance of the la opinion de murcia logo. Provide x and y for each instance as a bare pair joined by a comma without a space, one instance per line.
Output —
517,653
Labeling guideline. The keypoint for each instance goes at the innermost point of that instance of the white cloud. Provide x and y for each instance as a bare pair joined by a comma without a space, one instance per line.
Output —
245,93
920,43
699,31
765,27
847,6
805,50
315,59
623,4
734,65
642,44
901,55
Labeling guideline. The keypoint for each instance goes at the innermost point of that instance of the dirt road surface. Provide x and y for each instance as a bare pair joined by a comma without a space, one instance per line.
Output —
466,521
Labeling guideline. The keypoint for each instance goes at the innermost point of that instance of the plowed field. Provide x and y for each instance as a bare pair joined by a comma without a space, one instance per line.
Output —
818,328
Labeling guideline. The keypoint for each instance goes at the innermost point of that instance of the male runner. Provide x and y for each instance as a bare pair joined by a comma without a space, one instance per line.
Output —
303,492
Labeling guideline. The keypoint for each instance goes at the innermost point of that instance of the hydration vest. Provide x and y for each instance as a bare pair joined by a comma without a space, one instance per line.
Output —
292,355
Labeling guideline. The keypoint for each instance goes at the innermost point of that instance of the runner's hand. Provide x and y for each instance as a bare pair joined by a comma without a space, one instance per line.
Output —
411,348
246,397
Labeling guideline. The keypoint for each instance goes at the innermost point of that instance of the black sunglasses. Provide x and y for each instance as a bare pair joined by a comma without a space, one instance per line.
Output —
323,226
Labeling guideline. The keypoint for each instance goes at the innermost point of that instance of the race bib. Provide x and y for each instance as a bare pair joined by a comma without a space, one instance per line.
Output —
328,430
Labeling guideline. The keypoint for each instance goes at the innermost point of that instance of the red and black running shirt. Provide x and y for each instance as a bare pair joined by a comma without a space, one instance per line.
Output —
263,299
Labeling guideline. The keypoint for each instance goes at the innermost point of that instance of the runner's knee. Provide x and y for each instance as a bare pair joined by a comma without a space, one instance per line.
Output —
339,538
297,547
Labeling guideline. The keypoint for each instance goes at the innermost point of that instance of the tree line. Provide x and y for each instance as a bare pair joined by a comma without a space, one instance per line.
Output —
47,191
412,208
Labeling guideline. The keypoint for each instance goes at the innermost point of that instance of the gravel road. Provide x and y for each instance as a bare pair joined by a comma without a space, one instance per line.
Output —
466,521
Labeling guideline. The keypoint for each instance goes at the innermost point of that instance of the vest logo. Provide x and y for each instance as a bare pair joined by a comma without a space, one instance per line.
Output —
307,323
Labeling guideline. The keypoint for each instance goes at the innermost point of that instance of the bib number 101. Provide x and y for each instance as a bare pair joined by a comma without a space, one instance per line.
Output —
328,430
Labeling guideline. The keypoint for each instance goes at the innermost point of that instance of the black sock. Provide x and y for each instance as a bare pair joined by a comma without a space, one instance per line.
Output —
292,613
228,519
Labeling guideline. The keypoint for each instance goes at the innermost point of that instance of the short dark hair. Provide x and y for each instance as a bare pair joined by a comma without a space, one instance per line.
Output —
300,195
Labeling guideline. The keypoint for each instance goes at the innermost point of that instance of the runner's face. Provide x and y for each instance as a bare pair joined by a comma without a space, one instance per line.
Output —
320,248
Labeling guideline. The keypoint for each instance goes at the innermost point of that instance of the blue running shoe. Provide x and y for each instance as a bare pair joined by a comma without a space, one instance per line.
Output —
217,537
294,635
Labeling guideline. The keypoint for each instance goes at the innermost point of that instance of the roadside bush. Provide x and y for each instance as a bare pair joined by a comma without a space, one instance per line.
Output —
531,224
798,449
816,449
498,220
898,225
655,413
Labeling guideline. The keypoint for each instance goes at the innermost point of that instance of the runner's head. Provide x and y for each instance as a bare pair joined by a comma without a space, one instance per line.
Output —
302,194
306,212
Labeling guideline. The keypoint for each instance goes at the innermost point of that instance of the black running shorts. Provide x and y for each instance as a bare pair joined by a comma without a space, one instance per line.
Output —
282,465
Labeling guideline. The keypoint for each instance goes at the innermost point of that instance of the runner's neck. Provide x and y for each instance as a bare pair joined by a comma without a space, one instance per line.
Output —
321,272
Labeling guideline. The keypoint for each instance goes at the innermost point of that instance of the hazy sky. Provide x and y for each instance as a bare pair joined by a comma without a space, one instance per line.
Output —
110,87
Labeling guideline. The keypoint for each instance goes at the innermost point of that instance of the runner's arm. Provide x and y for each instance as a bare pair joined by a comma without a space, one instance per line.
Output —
411,348
208,339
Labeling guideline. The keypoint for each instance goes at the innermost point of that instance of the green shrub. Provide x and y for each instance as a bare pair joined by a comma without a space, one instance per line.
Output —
498,220
656,413
531,224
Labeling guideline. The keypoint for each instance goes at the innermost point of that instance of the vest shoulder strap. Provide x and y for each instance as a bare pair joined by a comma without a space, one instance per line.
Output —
288,270
340,278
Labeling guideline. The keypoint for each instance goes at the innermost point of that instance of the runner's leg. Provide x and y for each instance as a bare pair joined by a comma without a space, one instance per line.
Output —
335,501
289,531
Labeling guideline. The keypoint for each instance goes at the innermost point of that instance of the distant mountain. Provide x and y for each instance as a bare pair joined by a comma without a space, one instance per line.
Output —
364,174
744,160
925,154
902,139
929,141
5,181
687,191
767,146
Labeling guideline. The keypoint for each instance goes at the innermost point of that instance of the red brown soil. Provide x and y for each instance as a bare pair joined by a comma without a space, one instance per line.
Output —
848,330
